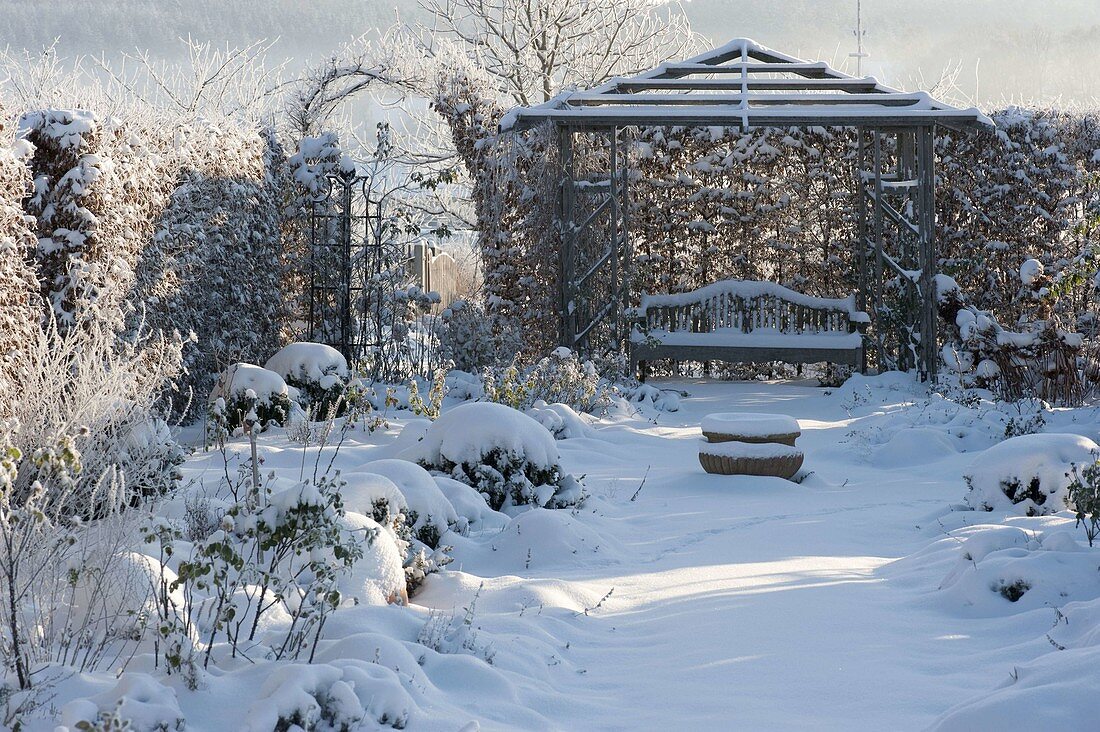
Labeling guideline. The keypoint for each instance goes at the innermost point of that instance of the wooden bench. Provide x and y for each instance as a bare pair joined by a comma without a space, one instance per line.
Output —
747,321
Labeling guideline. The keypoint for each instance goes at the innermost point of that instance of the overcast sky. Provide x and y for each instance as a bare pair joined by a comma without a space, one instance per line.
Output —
1045,51
1038,51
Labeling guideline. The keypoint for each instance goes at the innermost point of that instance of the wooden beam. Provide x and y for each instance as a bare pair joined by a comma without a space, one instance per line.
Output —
864,86
606,117
758,100
813,70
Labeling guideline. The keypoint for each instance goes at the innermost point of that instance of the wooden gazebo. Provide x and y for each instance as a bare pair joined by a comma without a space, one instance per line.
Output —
743,85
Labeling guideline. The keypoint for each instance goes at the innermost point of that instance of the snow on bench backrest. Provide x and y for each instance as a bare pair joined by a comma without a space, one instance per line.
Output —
749,305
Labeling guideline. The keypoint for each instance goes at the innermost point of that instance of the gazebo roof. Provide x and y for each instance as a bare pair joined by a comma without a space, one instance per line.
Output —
743,84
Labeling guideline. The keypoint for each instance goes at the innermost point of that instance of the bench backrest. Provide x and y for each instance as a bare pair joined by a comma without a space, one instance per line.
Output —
748,305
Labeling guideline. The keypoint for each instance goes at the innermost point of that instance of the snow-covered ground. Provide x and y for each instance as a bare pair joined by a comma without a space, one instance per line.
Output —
673,599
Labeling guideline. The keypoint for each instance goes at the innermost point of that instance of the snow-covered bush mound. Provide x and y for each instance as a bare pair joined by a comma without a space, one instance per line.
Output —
378,577
560,419
429,513
343,695
470,505
248,393
659,399
1027,474
510,459
424,517
1008,569
319,372
138,700
372,494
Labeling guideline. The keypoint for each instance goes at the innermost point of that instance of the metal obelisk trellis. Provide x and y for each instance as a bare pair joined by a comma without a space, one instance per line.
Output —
347,255
744,85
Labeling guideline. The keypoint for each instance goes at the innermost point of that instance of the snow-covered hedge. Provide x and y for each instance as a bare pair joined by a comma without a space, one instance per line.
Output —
1027,474
510,458
213,266
20,305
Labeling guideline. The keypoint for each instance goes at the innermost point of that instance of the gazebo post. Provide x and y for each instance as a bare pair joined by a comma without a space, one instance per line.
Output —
567,197
926,222
861,233
877,213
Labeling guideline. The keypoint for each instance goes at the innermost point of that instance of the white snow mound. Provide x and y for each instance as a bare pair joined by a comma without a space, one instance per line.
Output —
747,424
1027,474
242,377
313,362
469,432
421,493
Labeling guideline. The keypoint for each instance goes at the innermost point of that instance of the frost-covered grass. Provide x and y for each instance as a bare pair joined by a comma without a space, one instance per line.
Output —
869,595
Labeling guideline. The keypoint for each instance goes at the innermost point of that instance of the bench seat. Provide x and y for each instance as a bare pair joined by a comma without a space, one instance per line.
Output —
747,321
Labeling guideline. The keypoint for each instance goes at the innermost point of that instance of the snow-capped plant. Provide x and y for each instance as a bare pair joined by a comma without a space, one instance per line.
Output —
1038,361
1083,497
560,378
247,395
508,457
277,549
468,340
1028,474
421,519
432,407
319,373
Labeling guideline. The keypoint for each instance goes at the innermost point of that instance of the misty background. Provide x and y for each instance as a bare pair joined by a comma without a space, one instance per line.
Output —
997,52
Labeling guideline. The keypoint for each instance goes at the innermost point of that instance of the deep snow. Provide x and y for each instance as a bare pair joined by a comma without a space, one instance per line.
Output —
673,599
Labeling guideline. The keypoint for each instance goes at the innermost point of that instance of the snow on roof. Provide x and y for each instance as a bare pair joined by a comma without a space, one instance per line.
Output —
744,84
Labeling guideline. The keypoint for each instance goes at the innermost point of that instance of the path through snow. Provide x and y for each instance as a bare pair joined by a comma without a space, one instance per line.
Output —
738,602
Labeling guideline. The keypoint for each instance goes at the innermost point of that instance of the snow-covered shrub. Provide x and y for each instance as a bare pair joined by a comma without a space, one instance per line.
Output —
417,533
469,341
282,550
428,511
343,695
317,371
560,419
81,439
511,459
138,702
1027,474
379,576
665,400
560,378
425,516
1040,360
246,394
99,188
1083,496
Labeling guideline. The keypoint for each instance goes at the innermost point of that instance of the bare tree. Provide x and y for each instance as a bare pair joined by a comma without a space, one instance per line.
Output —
535,48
